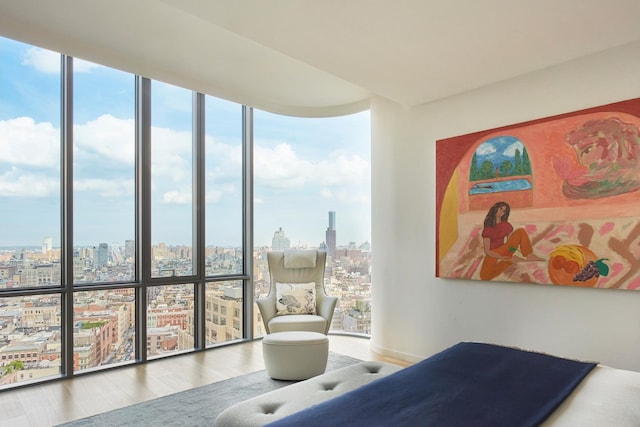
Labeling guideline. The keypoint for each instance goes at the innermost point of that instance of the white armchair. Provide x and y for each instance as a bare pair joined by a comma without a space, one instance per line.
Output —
282,311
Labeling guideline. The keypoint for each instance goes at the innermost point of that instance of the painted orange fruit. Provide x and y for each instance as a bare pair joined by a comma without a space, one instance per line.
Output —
558,261
571,267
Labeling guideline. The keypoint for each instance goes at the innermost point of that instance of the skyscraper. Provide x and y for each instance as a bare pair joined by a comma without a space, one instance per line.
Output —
330,235
101,256
47,245
129,249
279,241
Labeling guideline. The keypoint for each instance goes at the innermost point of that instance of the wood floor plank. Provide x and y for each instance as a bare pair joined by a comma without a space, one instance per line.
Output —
11,410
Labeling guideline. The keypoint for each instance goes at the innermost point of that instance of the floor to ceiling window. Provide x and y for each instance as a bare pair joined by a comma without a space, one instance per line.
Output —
104,142
30,147
312,190
171,181
103,201
173,191
103,226
223,220
127,215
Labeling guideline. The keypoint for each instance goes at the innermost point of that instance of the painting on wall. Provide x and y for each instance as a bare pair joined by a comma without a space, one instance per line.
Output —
554,201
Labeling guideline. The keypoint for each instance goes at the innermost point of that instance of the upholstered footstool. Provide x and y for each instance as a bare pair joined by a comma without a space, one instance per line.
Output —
295,355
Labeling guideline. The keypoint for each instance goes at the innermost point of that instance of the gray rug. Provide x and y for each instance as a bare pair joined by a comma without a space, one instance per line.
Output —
199,406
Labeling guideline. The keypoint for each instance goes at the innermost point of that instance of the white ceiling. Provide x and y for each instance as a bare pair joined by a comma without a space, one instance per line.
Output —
325,57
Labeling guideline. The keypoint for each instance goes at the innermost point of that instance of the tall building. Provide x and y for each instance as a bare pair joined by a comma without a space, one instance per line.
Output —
47,245
279,241
129,249
330,235
101,256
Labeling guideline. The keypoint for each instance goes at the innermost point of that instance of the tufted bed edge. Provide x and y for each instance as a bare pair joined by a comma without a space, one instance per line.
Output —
276,404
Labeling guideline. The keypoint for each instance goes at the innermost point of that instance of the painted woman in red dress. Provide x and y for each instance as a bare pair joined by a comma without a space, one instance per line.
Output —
500,242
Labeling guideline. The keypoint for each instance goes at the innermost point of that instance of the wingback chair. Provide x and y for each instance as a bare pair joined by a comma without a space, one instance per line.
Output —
296,280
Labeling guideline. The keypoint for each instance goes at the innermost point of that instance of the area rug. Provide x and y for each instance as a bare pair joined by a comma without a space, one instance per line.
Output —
199,406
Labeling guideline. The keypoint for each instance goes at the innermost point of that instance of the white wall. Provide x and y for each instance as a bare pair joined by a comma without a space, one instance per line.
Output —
416,314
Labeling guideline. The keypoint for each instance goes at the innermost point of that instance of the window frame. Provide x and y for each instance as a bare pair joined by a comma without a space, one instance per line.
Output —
143,280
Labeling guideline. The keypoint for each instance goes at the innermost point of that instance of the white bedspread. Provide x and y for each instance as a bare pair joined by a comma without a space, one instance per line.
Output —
606,397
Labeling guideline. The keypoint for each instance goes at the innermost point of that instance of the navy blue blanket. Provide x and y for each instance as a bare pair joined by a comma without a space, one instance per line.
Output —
469,384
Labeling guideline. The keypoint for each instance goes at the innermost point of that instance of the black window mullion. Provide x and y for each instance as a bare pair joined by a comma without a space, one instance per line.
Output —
143,210
198,206
247,222
66,226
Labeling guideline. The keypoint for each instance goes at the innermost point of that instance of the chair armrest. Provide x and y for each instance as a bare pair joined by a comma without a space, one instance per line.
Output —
267,309
325,307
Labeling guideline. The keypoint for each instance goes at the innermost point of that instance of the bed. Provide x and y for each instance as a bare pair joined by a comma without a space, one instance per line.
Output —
469,384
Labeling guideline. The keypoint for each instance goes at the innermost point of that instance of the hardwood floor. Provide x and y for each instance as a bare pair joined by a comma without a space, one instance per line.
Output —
61,401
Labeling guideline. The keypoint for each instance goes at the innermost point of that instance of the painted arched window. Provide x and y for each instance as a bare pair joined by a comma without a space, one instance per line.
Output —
500,168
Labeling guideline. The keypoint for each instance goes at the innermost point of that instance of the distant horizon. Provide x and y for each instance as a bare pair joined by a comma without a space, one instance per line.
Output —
39,246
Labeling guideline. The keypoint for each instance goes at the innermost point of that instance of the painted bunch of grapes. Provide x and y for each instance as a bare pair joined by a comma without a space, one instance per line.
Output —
592,269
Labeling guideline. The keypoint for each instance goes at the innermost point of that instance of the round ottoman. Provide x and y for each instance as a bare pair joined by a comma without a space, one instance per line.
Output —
295,355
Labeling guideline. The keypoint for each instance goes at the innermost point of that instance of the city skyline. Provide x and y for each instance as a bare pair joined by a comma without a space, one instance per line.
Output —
46,243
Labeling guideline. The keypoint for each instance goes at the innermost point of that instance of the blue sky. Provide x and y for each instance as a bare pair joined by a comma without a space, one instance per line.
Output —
303,167
498,149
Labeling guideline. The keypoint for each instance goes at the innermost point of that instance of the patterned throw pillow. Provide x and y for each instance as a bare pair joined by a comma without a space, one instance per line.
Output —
295,298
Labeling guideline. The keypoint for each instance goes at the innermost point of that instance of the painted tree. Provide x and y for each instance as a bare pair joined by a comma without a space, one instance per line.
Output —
526,163
486,169
505,168
517,167
474,173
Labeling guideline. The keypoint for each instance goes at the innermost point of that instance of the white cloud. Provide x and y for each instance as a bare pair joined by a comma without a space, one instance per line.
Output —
105,187
172,167
281,168
486,148
177,197
224,161
171,154
111,142
24,142
511,149
113,138
215,195
107,136
339,176
42,60
48,62
342,170
16,183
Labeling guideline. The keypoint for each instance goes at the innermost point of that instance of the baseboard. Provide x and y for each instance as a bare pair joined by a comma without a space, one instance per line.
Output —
383,351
